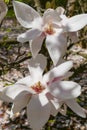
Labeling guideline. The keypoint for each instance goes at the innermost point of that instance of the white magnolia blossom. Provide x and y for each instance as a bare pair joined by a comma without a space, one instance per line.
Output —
43,94
52,26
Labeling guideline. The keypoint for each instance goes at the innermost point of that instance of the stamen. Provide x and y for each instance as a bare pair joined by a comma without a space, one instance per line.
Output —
38,88
49,29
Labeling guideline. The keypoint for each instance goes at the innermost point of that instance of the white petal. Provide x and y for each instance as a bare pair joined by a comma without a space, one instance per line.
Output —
37,115
50,16
68,74
54,111
43,99
21,101
29,35
35,45
60,10
56,45
25,14
26,81
58,72
75,107
65,90
37,66
76,23
15,90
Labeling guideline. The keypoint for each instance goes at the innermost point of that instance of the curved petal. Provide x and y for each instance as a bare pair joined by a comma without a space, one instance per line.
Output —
65,90
26,81
37,115
25,14
35,45
29,35
68,75
56,45
60,10
58,72
75,107
21,101
3,10
37,66
15,90
75,23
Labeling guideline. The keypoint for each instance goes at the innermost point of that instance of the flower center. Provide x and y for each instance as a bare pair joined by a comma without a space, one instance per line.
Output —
37,87
49,29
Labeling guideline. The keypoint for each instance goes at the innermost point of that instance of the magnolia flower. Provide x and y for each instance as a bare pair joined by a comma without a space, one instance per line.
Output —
52,27
43,94
3,10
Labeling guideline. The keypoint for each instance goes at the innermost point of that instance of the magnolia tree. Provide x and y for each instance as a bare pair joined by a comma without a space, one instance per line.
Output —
44,93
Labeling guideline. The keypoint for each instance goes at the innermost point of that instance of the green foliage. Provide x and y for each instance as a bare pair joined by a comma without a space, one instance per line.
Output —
50,4
7,1
62,3
10,13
